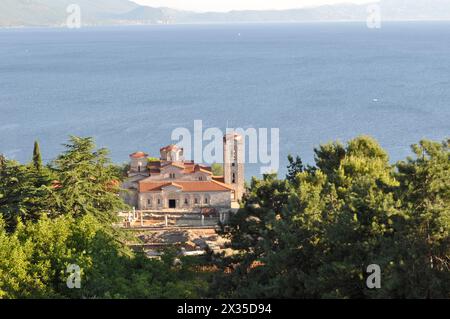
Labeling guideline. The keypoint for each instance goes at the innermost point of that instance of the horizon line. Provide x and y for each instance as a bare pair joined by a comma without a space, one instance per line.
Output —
306,7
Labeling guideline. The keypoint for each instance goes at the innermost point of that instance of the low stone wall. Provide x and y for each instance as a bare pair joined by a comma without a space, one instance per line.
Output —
158,219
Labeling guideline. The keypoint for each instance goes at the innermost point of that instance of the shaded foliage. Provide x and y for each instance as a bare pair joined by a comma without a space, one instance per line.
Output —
217,169
313,235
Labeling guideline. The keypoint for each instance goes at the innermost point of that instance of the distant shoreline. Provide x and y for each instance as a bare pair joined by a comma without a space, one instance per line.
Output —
93,26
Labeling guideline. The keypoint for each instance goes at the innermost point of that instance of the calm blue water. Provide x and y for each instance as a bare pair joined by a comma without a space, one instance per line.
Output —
130,87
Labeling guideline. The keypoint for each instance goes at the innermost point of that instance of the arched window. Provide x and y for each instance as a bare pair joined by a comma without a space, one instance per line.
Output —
206,200
233,179
186,201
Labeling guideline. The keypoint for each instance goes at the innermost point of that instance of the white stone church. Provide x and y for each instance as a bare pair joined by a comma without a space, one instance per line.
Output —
174,184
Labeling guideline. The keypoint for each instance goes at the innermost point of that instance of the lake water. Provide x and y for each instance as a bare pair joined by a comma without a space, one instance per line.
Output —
129,87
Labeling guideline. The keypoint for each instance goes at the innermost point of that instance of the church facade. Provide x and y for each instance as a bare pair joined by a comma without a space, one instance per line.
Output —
174,184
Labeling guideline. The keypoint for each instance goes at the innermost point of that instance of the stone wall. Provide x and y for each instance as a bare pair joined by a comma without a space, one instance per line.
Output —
184,200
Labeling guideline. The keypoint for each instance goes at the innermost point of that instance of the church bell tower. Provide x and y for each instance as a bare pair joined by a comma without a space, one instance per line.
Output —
233,163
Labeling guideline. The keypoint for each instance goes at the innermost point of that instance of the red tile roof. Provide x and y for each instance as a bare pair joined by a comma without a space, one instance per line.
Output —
138,155
179,165
201,168
56,184
188,167
204,170
191,186
169,148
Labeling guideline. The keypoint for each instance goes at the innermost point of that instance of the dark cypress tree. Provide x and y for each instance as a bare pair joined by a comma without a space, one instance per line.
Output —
295,167
37,158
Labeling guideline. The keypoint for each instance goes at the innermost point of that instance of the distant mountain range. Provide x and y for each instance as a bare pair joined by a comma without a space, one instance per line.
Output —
53,12
124,12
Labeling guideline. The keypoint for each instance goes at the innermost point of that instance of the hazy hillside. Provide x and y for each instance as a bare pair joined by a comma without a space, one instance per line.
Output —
53,12
341,12
144,14
108,12
390,10
416,9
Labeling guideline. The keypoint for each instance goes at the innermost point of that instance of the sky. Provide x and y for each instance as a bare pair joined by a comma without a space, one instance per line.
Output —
227,5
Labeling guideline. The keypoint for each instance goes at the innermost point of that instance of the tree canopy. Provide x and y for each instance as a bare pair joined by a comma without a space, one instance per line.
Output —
314,234
62,214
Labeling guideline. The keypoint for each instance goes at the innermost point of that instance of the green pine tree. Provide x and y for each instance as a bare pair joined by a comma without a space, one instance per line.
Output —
294,168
